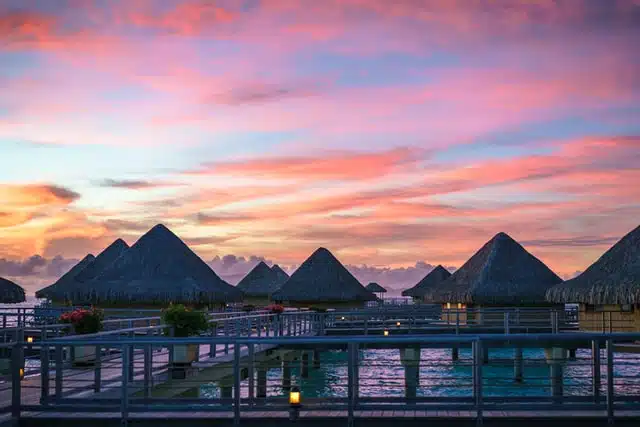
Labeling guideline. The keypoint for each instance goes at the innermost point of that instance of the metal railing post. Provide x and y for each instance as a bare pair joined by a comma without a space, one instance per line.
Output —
477,379
610,381
97,372
212,345
131,358
148,369
595,370
124,385
352,350
226,334
250,374
236,383
59,371
17,363
44,374
506,322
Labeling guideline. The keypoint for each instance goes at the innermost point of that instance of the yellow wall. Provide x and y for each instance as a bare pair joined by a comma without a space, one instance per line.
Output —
611,318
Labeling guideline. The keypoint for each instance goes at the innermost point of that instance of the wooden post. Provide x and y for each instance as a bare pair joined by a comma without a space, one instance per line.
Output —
251,372
518,365
17,363
236,383
148,369
124,384
315,359
286,373
262,382
455,354
477,378
59,371
304,364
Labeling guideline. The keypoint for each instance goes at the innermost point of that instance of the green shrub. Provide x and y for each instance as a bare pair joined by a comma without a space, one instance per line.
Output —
184,321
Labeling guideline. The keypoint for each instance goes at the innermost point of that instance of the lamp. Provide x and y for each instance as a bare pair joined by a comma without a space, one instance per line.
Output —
448,306
342,318
397,323
21,374
294,403
386,332
30,340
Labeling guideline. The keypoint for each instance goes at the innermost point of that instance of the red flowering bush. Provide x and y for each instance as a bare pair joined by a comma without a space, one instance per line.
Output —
275,308
84,321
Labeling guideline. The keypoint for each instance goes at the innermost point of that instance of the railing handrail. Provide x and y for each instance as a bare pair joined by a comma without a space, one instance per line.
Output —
363,339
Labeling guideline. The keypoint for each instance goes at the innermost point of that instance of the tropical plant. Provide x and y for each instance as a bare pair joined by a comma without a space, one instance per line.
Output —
84,321
184,321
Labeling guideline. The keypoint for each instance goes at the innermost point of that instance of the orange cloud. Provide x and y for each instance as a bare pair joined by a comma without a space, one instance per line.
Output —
331,166
34,195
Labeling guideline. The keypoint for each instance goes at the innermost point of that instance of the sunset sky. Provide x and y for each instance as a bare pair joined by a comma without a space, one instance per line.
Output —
398,134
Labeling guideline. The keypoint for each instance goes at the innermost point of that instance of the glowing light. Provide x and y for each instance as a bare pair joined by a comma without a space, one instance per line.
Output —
386,333
30,340
448,306
342,318
397,323
294,396
21,373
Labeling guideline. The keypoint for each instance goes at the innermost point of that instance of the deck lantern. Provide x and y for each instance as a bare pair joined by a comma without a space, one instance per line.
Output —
386,332
294,403
342,318
397,323
21,374
30,340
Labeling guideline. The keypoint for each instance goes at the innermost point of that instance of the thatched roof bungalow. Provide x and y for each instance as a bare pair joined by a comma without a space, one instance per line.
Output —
159,268
375,288
609,290
10,293
322,281
428,283
83,272
261,282
282,275
501,273
66,281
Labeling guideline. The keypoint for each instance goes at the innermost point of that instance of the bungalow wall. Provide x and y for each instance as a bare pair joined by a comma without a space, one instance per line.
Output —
609,318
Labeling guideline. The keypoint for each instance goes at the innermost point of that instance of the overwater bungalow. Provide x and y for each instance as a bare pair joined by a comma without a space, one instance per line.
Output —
428,282
608,292
85,271
261,282
158,269
378,290
322,281
501,274
10,292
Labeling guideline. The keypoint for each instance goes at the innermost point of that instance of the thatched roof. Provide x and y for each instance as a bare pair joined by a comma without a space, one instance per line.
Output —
102,261
375,288
10,293
261,281
501,272
322,278
66,281
282,275
428,282
613,279
159,268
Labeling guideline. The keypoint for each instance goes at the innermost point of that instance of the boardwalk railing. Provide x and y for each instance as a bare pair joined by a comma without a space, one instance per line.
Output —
529,373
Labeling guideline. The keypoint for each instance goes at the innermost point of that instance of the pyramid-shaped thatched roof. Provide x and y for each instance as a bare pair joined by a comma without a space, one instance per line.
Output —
428,283
282,275
261,281
10,293
322,278
66,281
501,272
375,288
159,268
613,279
102,261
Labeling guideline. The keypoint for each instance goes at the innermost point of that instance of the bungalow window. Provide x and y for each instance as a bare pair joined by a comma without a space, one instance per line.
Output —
626,308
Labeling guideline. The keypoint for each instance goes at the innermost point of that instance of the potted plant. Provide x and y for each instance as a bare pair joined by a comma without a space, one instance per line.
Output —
183,322
84,321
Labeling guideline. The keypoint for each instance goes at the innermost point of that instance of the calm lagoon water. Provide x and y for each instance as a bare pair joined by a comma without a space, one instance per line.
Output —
382,374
